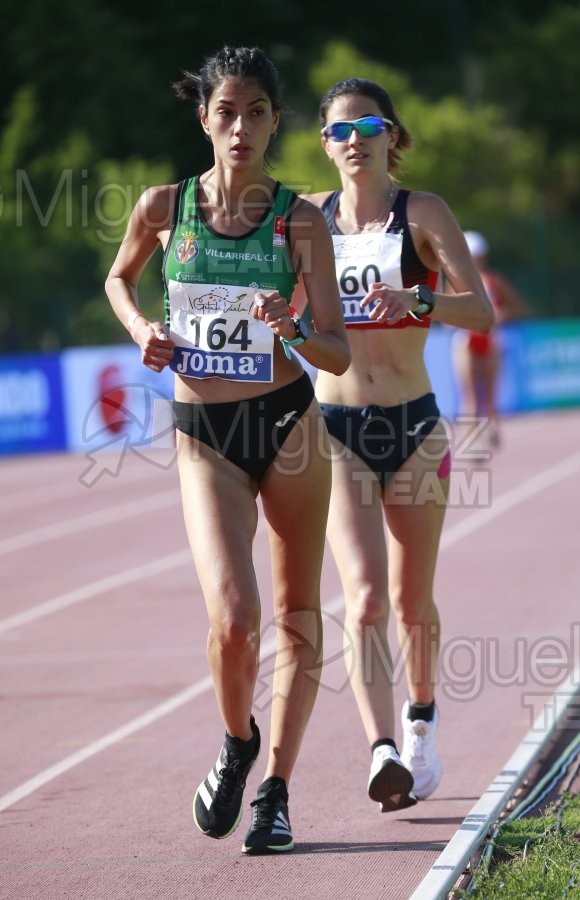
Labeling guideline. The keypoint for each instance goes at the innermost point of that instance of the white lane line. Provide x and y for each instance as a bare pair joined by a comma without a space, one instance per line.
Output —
111,582
507,501
102,585
471,523
92,657
113,737
472,832
90,520
119,734
69,488
534,485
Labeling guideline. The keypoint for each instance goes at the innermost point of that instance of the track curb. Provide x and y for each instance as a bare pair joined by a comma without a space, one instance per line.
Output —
450,864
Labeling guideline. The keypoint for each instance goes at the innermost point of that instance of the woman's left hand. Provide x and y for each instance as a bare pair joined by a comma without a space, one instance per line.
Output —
271,308
390,305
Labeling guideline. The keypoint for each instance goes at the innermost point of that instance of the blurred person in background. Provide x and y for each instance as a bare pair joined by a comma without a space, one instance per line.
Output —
389,444
477,355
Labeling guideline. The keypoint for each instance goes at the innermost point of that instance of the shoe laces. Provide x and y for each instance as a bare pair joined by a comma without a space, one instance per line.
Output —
265,809
229,779
420,740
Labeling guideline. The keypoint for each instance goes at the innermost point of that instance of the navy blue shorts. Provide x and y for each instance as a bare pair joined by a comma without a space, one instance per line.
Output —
249,433
384,437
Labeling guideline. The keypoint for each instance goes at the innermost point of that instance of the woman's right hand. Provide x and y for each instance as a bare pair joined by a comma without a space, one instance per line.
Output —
156,346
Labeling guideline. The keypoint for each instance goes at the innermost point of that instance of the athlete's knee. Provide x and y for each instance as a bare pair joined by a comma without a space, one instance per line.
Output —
368,606
299,630
235,633
413,608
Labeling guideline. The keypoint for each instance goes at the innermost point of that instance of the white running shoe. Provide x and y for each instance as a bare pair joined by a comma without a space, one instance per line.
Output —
390,783
420,752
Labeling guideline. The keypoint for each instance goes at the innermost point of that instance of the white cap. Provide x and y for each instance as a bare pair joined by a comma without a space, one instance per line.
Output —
477,244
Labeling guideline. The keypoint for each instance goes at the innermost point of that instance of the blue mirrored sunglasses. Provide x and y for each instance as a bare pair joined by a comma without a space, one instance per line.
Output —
368,126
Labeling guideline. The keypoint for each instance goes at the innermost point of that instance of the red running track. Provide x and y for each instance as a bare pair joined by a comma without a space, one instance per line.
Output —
109,721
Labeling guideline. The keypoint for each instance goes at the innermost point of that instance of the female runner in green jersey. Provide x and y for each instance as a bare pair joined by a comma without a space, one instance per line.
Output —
236,243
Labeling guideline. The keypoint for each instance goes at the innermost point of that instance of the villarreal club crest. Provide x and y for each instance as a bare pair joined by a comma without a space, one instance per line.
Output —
187,248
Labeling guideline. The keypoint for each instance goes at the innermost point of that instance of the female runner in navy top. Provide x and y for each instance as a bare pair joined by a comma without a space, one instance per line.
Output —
390,448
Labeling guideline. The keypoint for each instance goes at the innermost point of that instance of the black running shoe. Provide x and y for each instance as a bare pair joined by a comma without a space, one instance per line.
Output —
270,831
217,805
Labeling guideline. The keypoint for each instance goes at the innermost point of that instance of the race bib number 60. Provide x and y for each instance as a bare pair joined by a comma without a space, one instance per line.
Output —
361,260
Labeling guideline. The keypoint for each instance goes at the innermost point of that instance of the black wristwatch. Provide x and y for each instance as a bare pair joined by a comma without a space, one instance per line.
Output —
301,328
425,301
302,334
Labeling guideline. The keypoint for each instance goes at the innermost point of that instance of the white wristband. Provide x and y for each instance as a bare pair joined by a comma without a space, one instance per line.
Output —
133,318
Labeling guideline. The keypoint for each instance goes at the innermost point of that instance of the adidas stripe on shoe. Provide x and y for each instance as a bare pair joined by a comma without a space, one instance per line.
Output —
217,805
270,831
390,782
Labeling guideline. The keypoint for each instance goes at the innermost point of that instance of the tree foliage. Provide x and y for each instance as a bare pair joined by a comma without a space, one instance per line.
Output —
483,166
88,119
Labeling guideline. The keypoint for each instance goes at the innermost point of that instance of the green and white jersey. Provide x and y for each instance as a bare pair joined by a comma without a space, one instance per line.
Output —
210,284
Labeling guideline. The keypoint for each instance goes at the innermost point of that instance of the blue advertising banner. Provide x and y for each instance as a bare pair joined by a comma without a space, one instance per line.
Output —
31,407
110,397
539,365
93,398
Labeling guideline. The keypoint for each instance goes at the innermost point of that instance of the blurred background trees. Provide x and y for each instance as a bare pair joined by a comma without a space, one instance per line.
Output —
88,120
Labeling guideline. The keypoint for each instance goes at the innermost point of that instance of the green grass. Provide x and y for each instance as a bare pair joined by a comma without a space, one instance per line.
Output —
535,857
